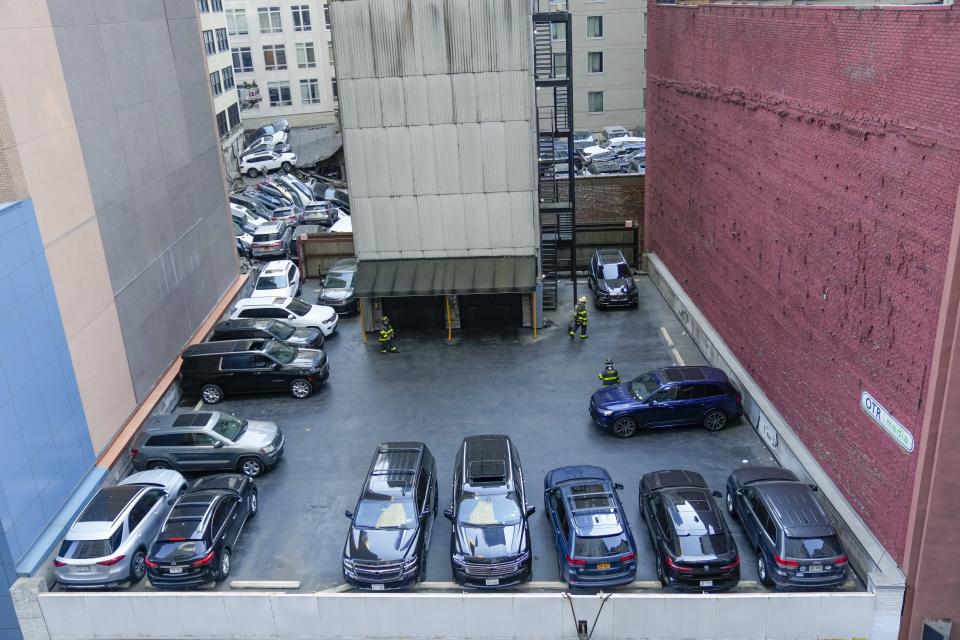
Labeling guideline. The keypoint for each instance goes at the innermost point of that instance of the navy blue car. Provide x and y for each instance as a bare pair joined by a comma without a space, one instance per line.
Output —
667,397
595,547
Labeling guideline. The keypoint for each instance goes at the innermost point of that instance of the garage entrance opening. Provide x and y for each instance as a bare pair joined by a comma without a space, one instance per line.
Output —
491,311
416,312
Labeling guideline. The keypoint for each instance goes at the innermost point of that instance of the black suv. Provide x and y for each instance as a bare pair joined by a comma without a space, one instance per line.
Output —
490,541
694,547
797,544
199,534
267,329
611,280
390,527
250,366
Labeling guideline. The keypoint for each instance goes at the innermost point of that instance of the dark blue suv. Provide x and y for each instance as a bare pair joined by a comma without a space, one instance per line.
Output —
595,547
667,397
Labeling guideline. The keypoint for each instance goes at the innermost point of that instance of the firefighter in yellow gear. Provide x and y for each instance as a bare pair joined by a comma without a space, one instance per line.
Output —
609,376
386,336
579,318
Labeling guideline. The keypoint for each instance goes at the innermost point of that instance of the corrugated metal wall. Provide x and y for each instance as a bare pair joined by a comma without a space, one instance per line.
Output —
437,111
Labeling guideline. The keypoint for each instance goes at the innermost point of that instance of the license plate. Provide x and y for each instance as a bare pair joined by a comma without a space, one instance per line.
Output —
492,582
377,587
603,565
706,583
176,569
81,568
813,569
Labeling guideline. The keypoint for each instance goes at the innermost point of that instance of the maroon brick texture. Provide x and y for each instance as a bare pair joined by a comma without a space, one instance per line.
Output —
803,173
610,198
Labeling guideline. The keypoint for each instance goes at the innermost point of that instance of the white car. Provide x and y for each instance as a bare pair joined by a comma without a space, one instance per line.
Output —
278,279
611,145
614,132
253,165
291,310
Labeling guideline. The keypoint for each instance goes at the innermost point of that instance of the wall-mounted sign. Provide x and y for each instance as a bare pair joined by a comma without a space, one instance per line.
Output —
887,422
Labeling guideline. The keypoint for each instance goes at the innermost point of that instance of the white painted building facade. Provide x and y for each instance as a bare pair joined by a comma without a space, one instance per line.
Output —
283,61
226,108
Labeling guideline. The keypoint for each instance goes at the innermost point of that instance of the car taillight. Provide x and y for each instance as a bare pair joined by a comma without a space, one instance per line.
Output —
57,563
841,560
576,561
152,564
628,557
111,561
732,565
786,564
675,566
204,560
134,452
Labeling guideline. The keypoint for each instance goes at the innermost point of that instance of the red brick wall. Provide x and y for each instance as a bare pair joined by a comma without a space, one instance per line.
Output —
803,173
610,198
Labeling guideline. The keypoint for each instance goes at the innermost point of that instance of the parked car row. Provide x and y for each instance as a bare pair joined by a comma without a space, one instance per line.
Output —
266,150
391,525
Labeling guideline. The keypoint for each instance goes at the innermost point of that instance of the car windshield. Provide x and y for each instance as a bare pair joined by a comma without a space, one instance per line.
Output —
614,271
230,427
282,330
280,352
340,280
385,514
265,283
644,386
600,547
812,548
298,307
486,510
265,237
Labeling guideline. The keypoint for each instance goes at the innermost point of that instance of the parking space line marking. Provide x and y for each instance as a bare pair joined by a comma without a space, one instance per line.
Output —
198,405
677,356
666,336
673,347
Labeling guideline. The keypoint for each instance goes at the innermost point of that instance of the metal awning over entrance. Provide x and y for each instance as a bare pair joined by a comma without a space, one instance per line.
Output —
446,276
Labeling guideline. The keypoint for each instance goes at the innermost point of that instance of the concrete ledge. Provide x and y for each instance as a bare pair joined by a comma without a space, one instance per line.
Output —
868,556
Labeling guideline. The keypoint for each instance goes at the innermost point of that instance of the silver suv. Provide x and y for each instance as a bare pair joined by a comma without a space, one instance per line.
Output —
207,441
108,542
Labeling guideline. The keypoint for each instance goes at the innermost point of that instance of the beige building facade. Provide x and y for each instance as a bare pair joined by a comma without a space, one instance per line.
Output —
226,107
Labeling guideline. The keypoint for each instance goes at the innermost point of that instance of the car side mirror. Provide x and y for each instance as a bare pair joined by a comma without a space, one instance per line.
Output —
239,499
653,403
531,509
276,366
290,316
739,492
813,487
426,512
448,513
349,514
171,502
618,486
217,445
716,494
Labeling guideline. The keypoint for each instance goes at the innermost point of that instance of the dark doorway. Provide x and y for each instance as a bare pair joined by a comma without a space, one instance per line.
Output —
490,311
416,312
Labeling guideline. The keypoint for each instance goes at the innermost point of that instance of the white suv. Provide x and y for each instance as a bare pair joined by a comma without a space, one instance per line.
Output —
278,279
611,145
256,164
291,310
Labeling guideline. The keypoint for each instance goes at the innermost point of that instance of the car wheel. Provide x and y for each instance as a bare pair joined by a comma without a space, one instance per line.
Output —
715,420
159,464
251,173
254,503
138,566
762,572
731,507
300,388
625,427
252,467
211,394
661,576
223,568
286,166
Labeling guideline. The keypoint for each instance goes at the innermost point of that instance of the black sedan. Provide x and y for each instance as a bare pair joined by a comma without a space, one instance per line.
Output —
611,280
194,546
693,544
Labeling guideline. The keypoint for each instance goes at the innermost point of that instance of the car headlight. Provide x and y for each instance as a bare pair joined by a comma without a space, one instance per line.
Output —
410,562
348,564
268,449
604,412
458,558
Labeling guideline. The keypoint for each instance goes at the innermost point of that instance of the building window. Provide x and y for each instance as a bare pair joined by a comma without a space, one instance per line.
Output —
559,65
310,91
595,102
333,83
558,31
217,5
204,6
227,74
233,116
326,16
305,55
301,17
222,43
330,51
237,22
222,126
279,94
644,23
595,62
242,59
215,85
274,57
269,19
594,26
208,43
643,98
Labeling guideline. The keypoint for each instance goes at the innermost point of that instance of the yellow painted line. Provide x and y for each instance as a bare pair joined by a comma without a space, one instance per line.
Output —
666,336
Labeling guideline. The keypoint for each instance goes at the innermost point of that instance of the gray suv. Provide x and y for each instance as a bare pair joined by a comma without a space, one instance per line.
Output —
207,441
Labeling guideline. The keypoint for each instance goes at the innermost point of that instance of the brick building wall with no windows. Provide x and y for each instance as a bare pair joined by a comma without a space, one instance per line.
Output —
610,198
802,184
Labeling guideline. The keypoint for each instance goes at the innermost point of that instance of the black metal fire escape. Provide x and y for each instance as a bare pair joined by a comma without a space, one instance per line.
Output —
555,150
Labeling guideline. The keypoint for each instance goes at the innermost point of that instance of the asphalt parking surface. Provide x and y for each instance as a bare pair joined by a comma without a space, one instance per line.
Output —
535,390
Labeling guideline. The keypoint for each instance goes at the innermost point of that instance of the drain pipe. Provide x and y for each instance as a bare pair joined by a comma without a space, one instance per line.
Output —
582,631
